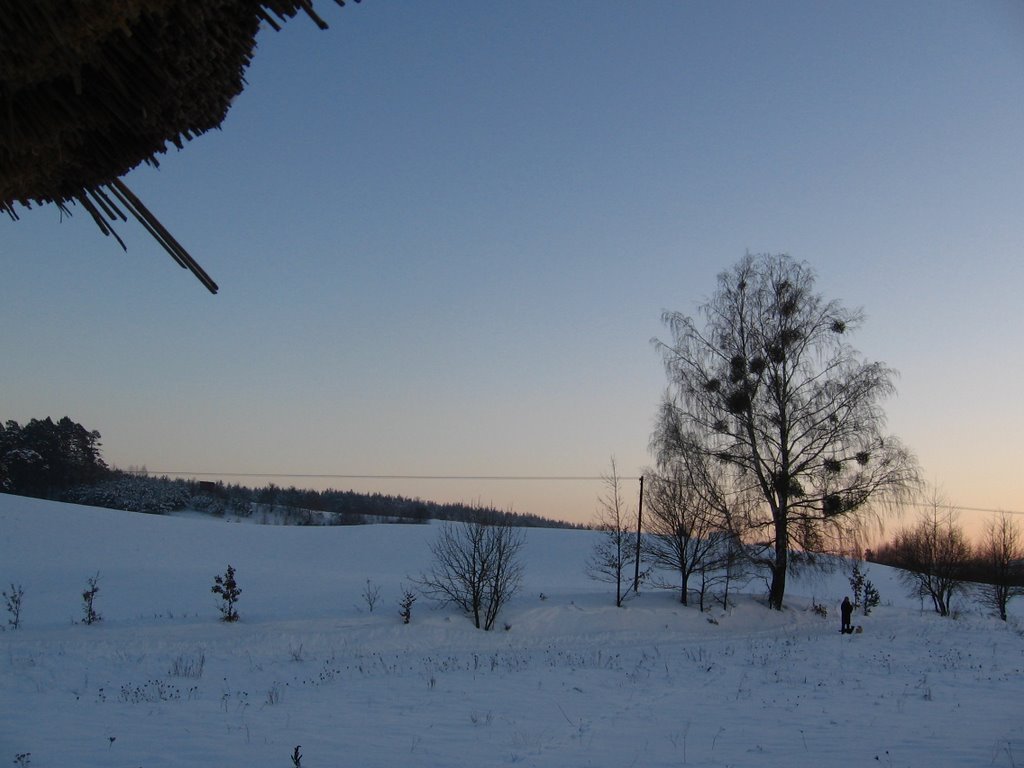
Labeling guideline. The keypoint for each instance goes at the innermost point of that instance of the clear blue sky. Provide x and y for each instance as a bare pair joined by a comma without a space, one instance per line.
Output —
445,233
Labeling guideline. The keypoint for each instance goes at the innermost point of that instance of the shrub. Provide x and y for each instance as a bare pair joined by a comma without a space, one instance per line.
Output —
871,597
13,601
229,592
89,601
865,595
405,606
152,495
188,666
857,584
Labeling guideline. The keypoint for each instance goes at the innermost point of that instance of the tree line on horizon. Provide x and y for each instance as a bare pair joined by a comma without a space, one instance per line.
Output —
62,461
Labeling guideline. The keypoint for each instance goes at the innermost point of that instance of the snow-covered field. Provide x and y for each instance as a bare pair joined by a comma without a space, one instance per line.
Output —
573,681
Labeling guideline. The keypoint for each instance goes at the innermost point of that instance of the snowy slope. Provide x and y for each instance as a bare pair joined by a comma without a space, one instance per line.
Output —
574,681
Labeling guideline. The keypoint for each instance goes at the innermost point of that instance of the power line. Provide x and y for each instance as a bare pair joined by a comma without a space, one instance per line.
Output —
961,508
513,478
332,476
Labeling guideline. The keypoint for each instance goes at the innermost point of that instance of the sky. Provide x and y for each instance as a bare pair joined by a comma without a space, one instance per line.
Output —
445,234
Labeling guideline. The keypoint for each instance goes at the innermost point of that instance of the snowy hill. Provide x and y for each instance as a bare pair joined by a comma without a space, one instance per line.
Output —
574,681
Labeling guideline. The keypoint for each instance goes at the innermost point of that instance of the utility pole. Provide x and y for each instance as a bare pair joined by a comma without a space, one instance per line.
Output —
639,522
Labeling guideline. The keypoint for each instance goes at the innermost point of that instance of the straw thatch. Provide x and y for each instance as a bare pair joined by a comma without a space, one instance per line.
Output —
91,88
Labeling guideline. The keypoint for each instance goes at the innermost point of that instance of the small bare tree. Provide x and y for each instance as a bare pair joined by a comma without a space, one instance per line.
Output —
476,567
13,601
733,567
1002,564
91,616
371,594
615,551
685,521
933,556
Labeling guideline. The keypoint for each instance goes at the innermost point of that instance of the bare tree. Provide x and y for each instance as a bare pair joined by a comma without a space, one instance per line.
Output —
615,551
704,536
687,518
934,555
772,388
1002,564
476,567
371,594
734,562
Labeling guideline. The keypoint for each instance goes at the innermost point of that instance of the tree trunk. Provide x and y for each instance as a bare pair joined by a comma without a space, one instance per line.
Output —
1002,593
781,564
778,587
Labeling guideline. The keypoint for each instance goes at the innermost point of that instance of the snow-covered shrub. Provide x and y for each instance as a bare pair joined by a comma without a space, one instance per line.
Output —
211,505
134,493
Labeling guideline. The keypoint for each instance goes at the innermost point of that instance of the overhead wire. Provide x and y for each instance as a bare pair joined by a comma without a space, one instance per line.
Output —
332,476
496,478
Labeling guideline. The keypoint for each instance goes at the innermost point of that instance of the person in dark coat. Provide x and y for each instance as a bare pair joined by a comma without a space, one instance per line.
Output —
846,610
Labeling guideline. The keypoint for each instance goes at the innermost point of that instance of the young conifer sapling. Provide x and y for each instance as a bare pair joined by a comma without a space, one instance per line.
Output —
229,592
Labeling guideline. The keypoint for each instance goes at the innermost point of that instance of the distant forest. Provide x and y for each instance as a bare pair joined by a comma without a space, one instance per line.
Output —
62,461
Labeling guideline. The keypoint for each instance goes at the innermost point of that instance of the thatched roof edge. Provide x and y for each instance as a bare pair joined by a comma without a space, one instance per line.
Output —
92,88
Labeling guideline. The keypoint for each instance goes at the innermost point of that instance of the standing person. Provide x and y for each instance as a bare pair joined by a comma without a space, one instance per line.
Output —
846,609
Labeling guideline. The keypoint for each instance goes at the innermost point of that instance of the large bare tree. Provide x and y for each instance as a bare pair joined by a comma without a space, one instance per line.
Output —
767,381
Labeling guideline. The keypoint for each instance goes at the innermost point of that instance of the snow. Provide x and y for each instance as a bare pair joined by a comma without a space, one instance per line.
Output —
573,681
